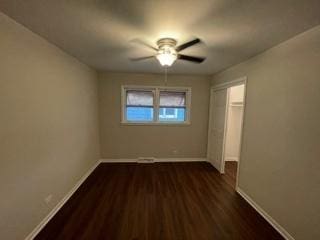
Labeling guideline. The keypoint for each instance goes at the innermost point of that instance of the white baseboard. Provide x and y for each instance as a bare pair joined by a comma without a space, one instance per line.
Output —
214,164
133,160
120,160
41,225
265,215
231,159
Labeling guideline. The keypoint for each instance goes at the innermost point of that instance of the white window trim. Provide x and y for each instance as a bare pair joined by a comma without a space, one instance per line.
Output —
156,90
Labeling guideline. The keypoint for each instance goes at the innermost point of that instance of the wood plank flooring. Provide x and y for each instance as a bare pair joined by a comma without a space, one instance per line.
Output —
230,175
159,201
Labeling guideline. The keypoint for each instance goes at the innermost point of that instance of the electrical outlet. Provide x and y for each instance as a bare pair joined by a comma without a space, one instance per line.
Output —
48,199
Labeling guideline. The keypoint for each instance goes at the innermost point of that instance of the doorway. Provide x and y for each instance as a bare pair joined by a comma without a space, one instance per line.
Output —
225,128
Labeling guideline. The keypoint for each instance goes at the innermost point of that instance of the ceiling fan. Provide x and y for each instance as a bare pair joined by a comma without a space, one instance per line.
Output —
167,52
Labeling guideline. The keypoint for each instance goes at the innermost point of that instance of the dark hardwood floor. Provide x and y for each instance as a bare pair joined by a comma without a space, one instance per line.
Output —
157,201
230,170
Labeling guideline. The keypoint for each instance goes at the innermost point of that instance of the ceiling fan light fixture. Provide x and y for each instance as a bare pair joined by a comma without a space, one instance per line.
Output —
167,55
168,52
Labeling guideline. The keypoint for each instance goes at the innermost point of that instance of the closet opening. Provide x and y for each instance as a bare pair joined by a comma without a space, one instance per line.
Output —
227,105
233,132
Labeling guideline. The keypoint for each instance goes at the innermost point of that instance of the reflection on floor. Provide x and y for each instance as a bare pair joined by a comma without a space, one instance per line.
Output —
230,175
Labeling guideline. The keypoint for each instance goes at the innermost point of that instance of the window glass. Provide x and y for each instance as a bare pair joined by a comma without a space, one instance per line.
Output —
172,106
156,105
139,107
140,114
172,114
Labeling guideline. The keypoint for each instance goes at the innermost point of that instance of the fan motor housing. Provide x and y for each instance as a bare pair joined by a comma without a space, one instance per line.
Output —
166,42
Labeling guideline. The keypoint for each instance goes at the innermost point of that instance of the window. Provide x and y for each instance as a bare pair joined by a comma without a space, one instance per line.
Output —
139,107
172,106
155,105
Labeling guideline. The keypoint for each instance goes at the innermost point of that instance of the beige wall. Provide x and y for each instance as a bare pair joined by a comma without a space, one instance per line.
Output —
280,167
48,127
123,141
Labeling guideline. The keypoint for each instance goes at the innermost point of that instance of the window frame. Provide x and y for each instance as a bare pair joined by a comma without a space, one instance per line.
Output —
156,94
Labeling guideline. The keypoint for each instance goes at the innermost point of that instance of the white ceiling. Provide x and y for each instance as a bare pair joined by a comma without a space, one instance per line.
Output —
99,32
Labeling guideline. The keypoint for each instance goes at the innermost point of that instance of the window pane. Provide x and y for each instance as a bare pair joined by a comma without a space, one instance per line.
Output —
172,99
140,114
172,114
139,98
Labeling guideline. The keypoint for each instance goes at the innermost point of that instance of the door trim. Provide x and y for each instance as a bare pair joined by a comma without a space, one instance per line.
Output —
226,117
236,82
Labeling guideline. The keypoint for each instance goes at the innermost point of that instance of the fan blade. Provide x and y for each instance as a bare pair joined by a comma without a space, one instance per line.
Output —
188,44
191,58
141,58
140,42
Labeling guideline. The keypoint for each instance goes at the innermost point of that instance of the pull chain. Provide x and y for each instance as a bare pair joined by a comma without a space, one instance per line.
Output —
165,76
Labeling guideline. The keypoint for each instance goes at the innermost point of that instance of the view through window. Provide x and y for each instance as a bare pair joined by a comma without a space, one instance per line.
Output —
172,107
140,106
156,105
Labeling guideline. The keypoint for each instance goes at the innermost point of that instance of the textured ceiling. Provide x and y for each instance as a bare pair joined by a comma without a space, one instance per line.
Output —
99,32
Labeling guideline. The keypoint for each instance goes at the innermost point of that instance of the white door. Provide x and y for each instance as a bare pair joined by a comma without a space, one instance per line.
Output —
217,125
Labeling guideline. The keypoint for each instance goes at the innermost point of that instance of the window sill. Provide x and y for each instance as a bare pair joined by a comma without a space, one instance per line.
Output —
156,124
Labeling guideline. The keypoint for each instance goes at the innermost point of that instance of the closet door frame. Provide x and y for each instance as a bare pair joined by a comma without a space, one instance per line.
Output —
227,85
